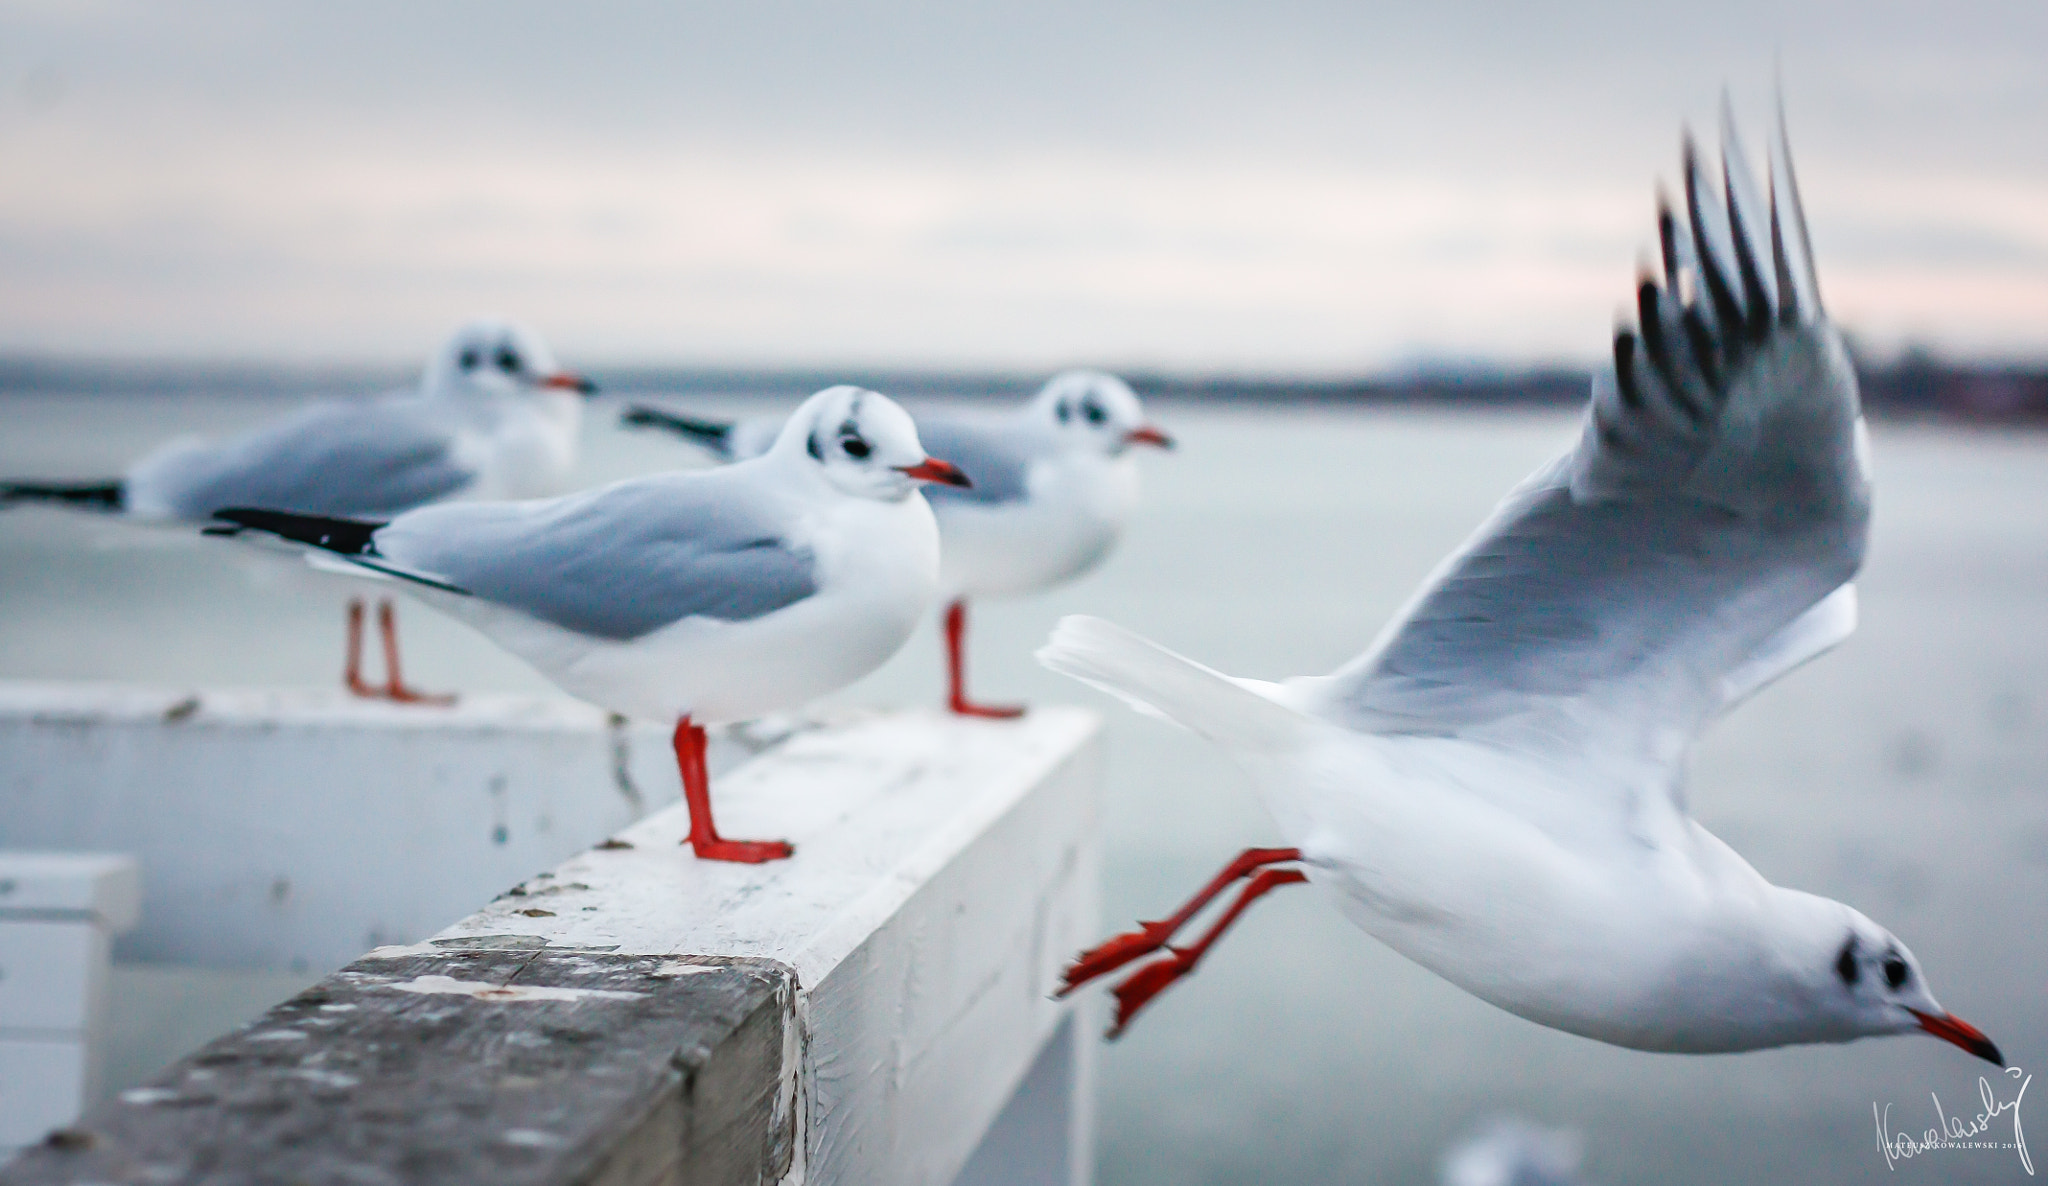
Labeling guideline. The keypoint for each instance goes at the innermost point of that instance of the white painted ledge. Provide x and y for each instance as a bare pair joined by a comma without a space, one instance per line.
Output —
906,956
295,829
945,871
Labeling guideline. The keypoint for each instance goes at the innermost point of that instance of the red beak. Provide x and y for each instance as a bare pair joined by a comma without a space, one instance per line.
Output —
931,469
1950,1028
1145,434
570,381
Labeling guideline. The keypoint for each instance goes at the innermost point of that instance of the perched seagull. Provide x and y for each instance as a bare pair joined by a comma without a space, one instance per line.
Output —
1053,484
493,417
712,595
1494,788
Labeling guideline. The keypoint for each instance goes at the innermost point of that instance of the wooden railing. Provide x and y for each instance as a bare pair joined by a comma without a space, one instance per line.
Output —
876,1009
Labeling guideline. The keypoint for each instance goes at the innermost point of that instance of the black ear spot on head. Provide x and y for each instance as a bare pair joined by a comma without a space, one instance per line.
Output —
1064,411
1845,963
811,447
469,360
1896,972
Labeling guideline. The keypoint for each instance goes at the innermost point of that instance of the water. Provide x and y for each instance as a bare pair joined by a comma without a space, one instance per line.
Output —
1902,774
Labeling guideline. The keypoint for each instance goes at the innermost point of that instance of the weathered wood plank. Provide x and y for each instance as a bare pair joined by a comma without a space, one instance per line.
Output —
486,1064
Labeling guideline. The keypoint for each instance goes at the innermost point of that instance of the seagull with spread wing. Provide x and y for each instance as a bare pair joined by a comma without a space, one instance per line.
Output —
1495,787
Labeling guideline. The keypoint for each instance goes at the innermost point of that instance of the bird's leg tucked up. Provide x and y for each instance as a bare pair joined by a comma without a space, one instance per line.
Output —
956,670
704,839
1152,936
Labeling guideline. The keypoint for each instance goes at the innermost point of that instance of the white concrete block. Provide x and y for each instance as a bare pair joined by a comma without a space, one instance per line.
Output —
42,1081
102,887
294,830
52,976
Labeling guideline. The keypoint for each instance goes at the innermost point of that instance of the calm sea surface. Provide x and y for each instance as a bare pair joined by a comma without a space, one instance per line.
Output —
1907,774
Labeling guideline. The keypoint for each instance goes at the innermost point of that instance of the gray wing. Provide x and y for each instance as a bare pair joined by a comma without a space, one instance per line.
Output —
996,456
1635,587
327,459
614,563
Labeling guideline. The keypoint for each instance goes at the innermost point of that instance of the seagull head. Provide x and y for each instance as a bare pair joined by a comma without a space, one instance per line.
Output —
1857,980
1095,412
494,358
864,444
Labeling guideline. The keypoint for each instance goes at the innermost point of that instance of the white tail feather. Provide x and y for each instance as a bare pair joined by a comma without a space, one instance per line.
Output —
1157,682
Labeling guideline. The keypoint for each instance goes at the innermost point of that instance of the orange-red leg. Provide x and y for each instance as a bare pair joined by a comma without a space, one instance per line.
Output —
704,839
352,673
1149,981
956,670
1150,937
1119,950
394,681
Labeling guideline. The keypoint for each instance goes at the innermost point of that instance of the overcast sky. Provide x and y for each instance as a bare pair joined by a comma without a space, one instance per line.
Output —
1277,186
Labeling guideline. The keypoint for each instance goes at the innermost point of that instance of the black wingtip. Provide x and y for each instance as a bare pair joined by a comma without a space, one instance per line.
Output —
95,496
713,434
347,537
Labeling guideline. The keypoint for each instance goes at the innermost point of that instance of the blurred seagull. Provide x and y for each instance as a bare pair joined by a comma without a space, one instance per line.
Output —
493,417
1494,789
713,595
1053,483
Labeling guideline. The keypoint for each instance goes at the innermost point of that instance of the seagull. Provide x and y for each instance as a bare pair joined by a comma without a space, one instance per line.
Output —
1494,788
493,416
1053,483
707,595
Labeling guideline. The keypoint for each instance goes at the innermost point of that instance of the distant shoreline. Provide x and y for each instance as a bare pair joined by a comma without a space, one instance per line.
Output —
1914,387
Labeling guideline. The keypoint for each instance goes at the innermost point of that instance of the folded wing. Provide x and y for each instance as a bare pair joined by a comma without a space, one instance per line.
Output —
327,459
614,563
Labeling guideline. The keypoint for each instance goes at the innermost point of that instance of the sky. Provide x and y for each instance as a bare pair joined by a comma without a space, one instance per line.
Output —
1286,187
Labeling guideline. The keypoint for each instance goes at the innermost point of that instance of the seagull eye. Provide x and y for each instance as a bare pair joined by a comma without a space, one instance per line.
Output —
508,360
1896,972
1845,964
1094,412
469,360
855,447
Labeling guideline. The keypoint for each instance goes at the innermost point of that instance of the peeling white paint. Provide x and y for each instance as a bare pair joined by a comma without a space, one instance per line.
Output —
449,985
278,1036
144,1096
679,968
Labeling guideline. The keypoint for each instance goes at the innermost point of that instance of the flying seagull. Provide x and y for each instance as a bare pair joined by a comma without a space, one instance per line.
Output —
1494,788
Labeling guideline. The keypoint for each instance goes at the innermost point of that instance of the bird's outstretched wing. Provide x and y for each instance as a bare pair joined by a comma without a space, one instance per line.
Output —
1679,556
614,563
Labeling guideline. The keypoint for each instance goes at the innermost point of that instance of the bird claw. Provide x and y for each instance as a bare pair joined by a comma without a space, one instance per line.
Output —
745,852
1113,953
1147,982
990,712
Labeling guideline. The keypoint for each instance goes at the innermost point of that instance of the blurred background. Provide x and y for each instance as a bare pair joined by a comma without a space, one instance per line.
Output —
1358,258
